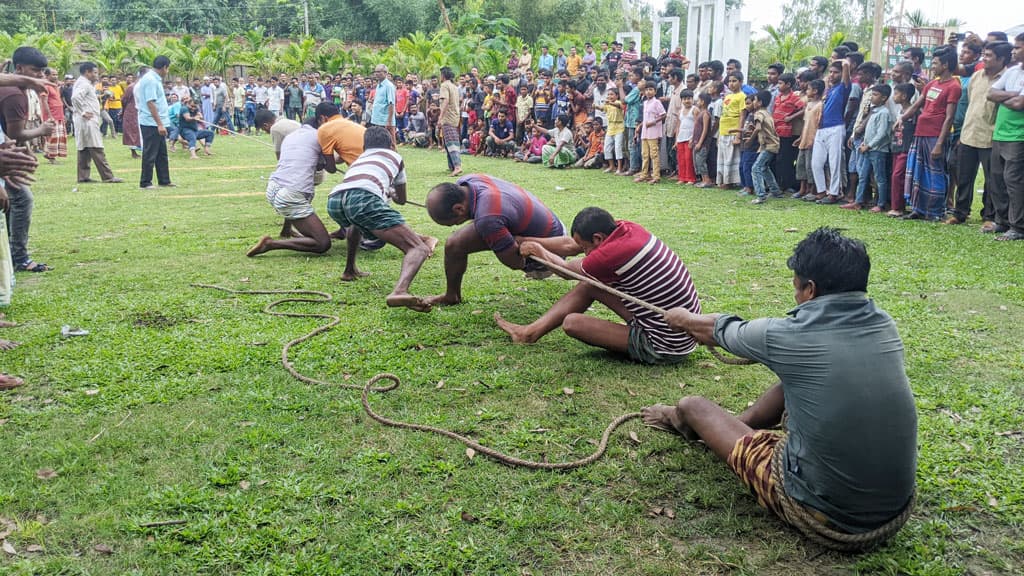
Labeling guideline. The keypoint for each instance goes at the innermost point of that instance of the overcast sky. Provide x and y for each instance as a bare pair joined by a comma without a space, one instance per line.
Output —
981,16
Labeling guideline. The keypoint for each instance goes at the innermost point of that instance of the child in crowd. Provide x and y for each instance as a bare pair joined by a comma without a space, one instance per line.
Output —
805,143
475,146
524,107
433,115
733,103
715,90
593,157
614,145
542,105
903,138
701,138
874,150
768,138
684,133
748,147
651,132
532,152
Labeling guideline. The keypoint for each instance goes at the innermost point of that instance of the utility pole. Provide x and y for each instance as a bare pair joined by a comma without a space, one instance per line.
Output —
876,34
305,15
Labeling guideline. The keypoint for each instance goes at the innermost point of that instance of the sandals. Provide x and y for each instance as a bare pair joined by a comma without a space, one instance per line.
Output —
31,266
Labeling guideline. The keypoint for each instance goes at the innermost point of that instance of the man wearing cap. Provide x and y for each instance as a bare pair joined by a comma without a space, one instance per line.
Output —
383,113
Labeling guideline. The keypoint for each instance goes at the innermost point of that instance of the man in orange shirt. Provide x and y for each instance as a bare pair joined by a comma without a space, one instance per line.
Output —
340,139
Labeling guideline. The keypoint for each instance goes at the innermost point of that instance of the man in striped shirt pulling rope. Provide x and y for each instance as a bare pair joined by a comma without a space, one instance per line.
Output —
629,258
359,203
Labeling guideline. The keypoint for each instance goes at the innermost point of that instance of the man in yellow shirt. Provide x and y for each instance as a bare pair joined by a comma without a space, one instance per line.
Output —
113,105
573,62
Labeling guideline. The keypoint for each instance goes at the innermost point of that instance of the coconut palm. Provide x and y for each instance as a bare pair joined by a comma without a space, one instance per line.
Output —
333,57
115,53
185,58
62,53
220,52
792,50
297,56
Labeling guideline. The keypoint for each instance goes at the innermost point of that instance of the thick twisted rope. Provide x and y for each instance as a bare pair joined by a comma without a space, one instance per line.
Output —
629,298
816,531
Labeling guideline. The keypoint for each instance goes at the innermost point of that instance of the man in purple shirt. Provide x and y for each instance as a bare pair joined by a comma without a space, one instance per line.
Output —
503,214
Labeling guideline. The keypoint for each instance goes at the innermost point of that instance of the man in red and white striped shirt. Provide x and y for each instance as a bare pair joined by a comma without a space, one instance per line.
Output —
629,258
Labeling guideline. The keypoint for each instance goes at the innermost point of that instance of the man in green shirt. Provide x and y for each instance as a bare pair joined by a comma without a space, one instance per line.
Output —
1008,147
849,451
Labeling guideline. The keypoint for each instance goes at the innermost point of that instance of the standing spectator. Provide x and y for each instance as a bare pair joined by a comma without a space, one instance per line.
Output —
28,62
65,97
546,61
589,57
560,61
1008,148
113,104
729,128
768,142
130,134
828,141
294,92
57,142
89,139
926,162
222,106
651,135
976,136
153,121
902,140
525,61
874,150
687,115
634,111
383,101
787,107
236,96
449,120
805,143
573,63
700,139
206,99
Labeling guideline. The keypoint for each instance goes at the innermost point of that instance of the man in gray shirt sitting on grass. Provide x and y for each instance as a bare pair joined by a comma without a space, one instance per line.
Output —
848,453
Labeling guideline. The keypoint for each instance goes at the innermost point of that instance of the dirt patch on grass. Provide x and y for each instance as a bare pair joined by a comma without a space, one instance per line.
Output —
153,319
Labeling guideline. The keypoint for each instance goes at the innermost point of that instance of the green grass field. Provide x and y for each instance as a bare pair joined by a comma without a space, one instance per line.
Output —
176,406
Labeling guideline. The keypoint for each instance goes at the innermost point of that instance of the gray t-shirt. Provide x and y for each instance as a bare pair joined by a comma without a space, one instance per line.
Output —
852,423
300,153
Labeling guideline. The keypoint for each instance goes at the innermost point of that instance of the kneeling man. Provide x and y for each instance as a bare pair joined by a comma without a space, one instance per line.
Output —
360,204
849,453
629,258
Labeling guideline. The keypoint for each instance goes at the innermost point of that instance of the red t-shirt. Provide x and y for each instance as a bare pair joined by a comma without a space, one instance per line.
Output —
937,95
401,100
785,106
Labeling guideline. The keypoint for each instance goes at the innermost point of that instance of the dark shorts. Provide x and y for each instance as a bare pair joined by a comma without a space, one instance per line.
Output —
364,210
641,349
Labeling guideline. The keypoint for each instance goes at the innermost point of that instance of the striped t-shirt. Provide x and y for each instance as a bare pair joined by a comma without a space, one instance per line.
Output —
376,170
636,262
501,210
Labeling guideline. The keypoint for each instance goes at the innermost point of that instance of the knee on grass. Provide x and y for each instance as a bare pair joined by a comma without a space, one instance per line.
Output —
575,325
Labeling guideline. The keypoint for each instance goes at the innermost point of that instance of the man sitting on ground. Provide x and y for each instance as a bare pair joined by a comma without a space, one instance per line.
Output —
501,212
629,258
360,204
851,452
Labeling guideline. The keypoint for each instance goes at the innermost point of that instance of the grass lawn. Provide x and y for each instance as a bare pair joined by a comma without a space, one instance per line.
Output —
176,405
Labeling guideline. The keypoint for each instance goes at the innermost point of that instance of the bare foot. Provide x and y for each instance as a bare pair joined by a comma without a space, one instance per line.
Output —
431,243
8,344
207,151
353,276
516,331
6,323
456,172
262,246
443,300
408,301
7,382
666,419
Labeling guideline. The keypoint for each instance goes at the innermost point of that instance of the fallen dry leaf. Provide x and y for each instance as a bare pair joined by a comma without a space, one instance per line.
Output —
243,279
9,548
34,548
440,384
477,312
246,423
467,517
440,353
470,453
682,385
1003,308
967,447
4,421
655,512
634,437
630,392
103,549
46,473
568,391
502,358
539,430
792,230
717,378
670,514
992,501
7,527
1011,433
92,392
420,346
244,484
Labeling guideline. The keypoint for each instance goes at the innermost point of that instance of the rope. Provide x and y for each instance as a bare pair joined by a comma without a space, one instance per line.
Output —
629,298
322,297
815,530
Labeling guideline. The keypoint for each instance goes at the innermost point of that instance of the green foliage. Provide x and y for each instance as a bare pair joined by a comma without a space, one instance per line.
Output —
792,50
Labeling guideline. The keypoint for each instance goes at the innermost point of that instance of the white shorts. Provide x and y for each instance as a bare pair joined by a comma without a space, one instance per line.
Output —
289,203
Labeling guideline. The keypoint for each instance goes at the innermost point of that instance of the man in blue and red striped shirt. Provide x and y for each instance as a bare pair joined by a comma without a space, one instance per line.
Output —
629,258
500,211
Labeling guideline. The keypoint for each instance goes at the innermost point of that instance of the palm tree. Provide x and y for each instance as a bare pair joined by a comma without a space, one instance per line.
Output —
220,52
296,57
333,57
792,50
918,19
185,58
62,53
257,51
115,53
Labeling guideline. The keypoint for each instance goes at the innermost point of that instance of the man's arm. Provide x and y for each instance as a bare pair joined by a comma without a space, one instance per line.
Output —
155,113
1015,103
400,195
24,82
700,326
535,250
563,246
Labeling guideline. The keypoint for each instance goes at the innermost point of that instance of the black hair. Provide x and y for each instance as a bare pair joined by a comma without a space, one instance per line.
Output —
694,77
832,261
86,67
677,73
326,109
946,55
737,75
735,63
787,78
377,137
915,53
705,98
29,56
907,89
161,62
837,64
650,84
564,119
1002,50
778,67
999,36
765,97
447,73
818,84
820,61
590,221
855,58
716,66
841,51
853,46
1019,37
805,76
905,65
871,69
264,116
686,93
882,89
449,194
